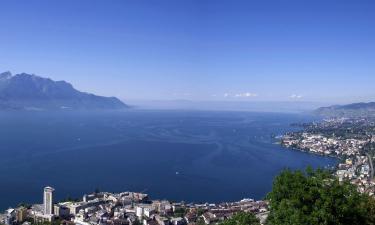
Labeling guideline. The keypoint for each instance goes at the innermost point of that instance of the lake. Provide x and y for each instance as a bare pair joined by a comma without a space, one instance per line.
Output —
196,156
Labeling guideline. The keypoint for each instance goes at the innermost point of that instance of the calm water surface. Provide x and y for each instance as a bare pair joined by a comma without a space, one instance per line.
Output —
177,155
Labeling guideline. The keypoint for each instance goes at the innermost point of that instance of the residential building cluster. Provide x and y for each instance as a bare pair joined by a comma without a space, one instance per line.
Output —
128,208
320,144
343,138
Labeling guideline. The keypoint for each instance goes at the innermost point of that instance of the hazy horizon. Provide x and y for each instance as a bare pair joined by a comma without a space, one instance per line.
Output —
295,104
310,51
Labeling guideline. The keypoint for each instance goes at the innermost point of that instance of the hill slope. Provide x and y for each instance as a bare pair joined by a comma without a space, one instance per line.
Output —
26,91
351,110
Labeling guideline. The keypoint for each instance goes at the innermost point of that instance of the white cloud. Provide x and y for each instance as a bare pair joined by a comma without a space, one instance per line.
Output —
246,95
241,95
294,96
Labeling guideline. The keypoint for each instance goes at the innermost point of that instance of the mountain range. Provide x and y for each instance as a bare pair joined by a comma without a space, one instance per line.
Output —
30,92
350,110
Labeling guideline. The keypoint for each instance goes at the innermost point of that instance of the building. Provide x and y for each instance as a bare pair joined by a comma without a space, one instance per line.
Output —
178,221
48,200
21,214
144,210
61,210
37,213
10,216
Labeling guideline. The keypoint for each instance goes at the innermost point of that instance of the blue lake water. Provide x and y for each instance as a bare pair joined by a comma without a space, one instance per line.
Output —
177,155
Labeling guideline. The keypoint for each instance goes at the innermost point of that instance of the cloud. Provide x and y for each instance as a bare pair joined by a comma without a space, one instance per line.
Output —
246,95
294,96
241,95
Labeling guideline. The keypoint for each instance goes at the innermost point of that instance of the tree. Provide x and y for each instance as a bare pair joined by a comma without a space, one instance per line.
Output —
180,212
137,222
316,197
200,221
241,218
26,205
69,199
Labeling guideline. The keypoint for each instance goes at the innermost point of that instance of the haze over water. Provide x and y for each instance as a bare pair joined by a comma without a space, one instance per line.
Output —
177,155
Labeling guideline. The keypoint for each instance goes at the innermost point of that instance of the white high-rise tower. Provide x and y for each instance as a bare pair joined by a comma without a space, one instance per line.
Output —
48,200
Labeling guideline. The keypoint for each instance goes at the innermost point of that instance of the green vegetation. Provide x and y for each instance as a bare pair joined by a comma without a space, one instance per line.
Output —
180,212
241,218
70,199
26,205
137,222
315,198
200,221
200,211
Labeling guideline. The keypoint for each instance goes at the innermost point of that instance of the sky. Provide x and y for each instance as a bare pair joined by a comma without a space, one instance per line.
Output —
211,50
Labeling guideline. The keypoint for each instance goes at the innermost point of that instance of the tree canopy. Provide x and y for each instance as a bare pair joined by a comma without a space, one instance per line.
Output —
241,218
316,198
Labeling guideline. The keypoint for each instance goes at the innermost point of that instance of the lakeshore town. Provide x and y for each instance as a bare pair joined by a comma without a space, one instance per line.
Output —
352,141
128,208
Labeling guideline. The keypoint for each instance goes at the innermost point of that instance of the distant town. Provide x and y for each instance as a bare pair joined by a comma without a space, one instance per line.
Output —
351,140
127,208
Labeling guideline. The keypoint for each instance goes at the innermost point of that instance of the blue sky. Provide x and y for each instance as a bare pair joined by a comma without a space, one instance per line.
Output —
196,49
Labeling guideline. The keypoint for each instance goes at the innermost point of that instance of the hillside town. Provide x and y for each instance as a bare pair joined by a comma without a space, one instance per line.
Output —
351,140
127,208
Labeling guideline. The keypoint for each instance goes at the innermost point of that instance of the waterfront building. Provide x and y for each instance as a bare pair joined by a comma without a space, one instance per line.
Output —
61,210
10,216
21,214
48,200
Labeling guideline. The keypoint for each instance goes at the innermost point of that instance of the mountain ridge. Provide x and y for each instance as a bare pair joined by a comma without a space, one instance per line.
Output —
351,110
29,91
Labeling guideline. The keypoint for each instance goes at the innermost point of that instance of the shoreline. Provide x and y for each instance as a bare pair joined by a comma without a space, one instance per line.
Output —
330,138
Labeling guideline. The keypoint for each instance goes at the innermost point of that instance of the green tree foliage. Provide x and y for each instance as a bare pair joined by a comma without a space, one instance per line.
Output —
241,218
200,221
137,222
317,198
26,205
180,212
200,212
70,199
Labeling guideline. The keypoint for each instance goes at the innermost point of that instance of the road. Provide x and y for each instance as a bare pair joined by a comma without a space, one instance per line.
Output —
371,166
